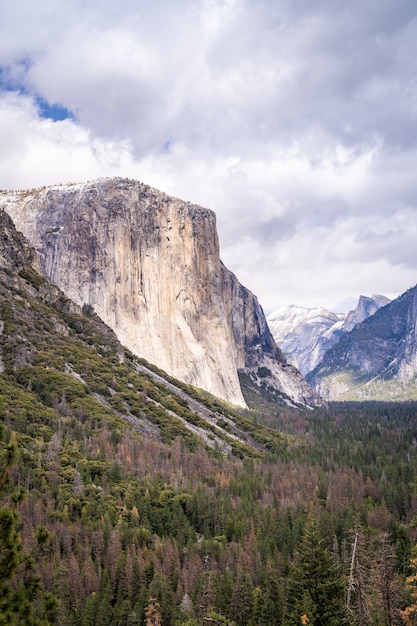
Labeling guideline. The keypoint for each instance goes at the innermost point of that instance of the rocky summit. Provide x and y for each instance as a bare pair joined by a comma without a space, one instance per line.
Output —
149,266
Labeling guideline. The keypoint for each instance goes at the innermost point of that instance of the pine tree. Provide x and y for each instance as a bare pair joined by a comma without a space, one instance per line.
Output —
315,588
242,600
273,602
161,591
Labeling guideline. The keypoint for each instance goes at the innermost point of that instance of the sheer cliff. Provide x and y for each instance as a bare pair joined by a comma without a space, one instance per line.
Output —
149,265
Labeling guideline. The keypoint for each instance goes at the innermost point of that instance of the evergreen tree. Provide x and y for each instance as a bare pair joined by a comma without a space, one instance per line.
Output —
315,589
161,591
273,602
224,592
242,600
104,615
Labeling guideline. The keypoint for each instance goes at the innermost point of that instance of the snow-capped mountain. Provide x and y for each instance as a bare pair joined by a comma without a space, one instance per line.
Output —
306,334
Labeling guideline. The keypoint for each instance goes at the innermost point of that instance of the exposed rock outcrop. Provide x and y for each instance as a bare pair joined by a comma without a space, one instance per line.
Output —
149,265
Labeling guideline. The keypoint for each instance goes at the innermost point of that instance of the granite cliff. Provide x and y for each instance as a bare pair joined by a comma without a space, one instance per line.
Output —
149,266
364,309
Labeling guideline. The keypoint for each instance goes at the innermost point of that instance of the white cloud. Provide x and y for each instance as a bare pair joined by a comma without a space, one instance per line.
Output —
294,121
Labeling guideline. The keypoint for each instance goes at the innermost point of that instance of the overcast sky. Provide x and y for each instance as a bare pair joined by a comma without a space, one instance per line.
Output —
294,120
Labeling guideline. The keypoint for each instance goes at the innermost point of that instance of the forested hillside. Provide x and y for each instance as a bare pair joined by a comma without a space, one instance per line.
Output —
129,498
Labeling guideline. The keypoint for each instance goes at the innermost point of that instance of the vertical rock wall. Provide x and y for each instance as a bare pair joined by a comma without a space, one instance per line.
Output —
149,265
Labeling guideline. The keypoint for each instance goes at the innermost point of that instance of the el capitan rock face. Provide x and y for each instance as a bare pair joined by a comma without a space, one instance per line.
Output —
149,265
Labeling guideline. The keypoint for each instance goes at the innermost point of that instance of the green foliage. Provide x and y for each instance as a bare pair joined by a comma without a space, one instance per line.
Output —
264,372
29,274
316,590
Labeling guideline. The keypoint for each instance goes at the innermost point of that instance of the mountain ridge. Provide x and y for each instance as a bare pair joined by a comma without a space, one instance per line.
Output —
67,357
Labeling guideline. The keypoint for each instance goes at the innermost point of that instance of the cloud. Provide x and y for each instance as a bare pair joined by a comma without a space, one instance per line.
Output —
294,121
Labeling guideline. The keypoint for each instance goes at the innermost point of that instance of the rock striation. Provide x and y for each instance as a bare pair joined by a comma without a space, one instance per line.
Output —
149,265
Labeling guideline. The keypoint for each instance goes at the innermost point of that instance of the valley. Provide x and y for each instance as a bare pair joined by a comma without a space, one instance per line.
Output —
129,496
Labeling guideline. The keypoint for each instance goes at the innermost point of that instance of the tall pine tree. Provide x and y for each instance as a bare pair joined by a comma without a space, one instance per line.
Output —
315,588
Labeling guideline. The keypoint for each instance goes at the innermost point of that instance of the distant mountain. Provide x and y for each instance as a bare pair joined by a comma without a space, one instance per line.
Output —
305,335
377,359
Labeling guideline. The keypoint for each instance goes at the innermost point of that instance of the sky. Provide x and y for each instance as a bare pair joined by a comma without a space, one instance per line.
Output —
294,121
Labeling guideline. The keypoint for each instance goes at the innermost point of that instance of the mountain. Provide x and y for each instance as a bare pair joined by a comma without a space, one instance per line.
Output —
305,335
149,266
65,357
377,359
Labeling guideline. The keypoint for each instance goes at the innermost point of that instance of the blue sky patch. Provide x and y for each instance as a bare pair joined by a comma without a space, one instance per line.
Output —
47,110
54,112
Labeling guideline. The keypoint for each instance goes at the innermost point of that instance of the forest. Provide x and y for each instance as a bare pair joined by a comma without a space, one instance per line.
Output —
103,526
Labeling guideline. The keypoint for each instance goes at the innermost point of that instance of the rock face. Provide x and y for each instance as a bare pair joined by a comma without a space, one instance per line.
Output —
364,309
32,308
377,360
149,265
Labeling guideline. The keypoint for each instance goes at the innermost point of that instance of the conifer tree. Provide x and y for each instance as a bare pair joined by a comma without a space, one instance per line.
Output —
242,600
315,589
409,614
273,602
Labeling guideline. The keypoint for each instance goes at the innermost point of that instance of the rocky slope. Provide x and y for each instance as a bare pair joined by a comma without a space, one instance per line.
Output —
149,266
377,359
305,335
